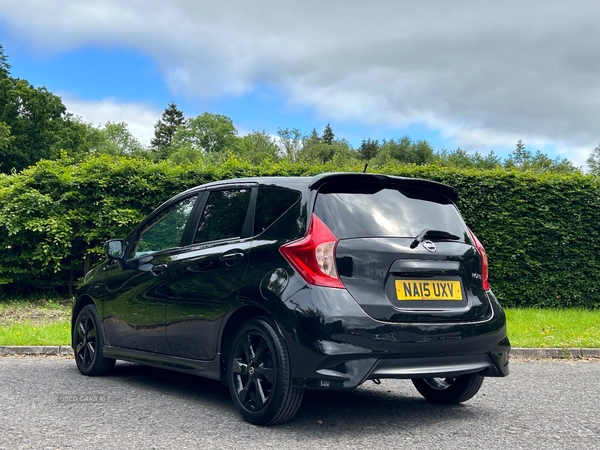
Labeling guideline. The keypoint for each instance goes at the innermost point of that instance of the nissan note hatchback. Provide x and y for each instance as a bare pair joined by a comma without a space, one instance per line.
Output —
277,285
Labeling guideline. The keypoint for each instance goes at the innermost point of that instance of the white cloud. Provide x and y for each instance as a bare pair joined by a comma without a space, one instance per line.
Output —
482,74
577,155
140,118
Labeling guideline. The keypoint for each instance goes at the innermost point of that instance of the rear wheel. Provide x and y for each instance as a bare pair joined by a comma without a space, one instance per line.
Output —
88,342
259,376
449,390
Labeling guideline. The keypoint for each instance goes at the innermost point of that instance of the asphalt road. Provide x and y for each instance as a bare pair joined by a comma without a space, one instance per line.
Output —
45,403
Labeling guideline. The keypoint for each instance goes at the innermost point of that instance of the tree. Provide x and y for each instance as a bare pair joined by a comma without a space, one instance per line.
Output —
406,151
34,117
522,159
210,133
6,140
321,153
564,166
6,137
456,158
312,139
165,129
328,136
258,147
489,161
399,150
117,140
593,161
185,155
4,65
519,158
461,158
291,141
368,149
320,150
35,125
422,153
75,138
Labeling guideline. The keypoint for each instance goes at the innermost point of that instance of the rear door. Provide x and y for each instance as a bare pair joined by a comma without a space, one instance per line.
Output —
404,252
205,278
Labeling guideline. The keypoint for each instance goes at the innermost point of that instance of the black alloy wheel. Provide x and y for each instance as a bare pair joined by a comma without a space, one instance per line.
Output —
88,342
259,376
449,390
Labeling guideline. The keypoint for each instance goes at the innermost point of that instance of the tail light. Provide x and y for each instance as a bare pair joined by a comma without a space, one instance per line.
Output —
484,262
313,256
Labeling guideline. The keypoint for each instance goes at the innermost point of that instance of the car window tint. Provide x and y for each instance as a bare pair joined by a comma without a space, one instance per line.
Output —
164,230
224,215
271,204
372,210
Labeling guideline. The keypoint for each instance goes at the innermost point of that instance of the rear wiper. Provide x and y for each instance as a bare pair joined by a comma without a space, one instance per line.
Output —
433,234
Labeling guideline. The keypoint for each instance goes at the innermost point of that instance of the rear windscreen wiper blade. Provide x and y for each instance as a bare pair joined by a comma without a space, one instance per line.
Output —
433,234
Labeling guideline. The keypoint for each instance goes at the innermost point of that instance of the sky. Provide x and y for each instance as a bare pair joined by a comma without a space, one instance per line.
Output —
478,75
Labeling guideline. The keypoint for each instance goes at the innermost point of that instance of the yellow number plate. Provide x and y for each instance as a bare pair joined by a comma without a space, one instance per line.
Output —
428,290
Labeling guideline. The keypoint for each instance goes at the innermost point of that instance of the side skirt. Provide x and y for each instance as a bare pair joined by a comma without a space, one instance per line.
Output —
208,369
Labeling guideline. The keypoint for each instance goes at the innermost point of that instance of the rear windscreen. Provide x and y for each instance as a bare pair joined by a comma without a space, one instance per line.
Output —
372,210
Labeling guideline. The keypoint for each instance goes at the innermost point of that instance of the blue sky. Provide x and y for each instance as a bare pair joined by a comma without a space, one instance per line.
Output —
93,73
476,76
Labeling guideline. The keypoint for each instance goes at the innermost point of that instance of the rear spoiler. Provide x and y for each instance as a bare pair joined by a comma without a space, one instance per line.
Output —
351,178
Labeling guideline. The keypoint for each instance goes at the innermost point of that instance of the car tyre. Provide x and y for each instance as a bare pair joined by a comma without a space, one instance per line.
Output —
259,376
88,342
449,390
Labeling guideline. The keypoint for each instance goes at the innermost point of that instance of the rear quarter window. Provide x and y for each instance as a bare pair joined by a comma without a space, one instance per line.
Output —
372,210
271,203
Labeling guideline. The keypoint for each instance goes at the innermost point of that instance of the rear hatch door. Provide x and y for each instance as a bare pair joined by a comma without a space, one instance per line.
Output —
404,251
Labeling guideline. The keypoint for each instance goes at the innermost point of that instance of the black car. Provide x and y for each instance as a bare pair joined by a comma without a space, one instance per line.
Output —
277,285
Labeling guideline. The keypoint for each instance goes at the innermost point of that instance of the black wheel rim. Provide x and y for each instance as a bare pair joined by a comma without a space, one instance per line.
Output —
253,371
439,384
85,340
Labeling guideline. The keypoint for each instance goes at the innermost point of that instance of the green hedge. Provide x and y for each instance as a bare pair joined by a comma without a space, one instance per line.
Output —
540,231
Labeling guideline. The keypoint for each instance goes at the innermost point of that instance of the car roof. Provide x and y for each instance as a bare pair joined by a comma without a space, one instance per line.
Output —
315,182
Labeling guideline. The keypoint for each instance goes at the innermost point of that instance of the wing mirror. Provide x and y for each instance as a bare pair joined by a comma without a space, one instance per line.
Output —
114,249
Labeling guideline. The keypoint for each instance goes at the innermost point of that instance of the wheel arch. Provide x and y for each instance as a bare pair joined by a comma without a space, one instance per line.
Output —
234,322
80,303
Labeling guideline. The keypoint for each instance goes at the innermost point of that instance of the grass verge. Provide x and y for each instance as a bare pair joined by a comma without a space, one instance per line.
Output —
37,322
553,328
27,333
47,322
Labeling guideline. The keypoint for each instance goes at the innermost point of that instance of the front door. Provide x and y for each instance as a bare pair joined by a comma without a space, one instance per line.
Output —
135,306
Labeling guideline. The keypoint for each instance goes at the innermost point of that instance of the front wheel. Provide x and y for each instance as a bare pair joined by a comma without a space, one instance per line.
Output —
259,375
449,390
88,342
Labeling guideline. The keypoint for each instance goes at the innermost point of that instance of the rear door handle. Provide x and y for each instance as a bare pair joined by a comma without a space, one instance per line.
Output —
157,270
231,258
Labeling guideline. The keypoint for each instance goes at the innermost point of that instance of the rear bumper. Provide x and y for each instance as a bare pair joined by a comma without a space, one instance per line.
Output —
441,366
333,344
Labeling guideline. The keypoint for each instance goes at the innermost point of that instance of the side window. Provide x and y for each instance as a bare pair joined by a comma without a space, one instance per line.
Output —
224,215
271,203
165,230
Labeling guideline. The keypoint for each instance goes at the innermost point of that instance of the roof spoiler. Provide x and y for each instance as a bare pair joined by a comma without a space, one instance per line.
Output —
441,188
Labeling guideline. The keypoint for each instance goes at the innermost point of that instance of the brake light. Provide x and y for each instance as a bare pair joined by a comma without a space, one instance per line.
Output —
313,256
484,262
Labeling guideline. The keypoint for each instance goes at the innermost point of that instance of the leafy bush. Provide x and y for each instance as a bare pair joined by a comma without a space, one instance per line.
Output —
538,229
